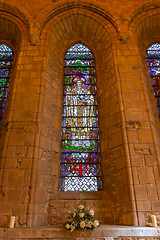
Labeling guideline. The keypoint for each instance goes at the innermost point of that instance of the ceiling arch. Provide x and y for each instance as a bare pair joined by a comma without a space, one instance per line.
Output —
76,8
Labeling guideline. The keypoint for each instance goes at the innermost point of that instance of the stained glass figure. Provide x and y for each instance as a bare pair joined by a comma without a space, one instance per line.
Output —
80,150
6,58
153,62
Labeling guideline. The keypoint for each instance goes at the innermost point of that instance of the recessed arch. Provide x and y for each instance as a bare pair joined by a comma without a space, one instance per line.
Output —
77,8
142,13
9,31
22,18
147,33
12,35
60,33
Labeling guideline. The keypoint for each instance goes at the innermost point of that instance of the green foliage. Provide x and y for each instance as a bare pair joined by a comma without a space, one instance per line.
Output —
82,218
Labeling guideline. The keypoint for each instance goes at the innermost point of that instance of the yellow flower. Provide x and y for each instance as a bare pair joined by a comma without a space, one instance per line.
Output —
91,212
81,215
82,224
96,223
81,206
67,226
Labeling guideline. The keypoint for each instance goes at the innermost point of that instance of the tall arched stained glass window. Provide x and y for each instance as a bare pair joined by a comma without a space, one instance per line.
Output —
80,150
6,58
153,62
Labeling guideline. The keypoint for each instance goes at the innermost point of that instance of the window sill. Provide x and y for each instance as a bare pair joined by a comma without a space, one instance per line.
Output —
77,195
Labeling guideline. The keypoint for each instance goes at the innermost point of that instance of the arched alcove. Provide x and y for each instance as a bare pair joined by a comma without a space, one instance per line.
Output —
33,121
61,33
147,33
11,35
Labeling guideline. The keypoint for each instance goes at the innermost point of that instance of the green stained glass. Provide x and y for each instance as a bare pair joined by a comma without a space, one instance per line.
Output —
80,151
6,58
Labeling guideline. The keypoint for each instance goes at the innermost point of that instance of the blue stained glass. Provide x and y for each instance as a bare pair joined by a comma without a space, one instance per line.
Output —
80,151
6,57
153,62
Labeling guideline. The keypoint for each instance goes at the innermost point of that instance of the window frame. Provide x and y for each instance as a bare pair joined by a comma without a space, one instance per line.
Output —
100,189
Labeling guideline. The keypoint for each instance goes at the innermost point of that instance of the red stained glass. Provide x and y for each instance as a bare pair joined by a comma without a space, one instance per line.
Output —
80,150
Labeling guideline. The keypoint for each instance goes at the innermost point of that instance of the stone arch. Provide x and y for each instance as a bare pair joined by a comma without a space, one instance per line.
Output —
144,28
23,19
14,31
9,31
142,13
59,34
12,34
147,32
77,7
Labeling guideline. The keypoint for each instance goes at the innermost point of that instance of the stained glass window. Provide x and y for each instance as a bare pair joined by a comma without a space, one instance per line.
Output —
80,150
6,57
153,62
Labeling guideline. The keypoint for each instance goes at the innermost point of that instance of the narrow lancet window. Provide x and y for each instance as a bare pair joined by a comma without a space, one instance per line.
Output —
153,62
80,150
6,58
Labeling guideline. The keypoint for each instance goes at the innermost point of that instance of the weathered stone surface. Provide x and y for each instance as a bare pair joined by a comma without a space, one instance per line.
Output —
103,232
118,33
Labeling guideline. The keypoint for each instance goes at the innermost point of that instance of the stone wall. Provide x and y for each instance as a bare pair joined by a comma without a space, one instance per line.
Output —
118,33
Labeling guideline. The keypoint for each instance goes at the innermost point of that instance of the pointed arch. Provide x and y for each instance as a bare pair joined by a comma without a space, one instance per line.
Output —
49,14
21,18
61,34
80,151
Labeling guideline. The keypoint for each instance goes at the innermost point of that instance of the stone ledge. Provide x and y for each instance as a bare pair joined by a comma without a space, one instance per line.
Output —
59,232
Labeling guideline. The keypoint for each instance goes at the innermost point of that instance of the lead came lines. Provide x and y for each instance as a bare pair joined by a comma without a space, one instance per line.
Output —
80,138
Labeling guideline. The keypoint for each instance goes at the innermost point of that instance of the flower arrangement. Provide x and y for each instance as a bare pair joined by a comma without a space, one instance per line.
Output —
81,218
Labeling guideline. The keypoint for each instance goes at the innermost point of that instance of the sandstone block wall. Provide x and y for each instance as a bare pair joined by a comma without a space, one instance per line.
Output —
118,33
